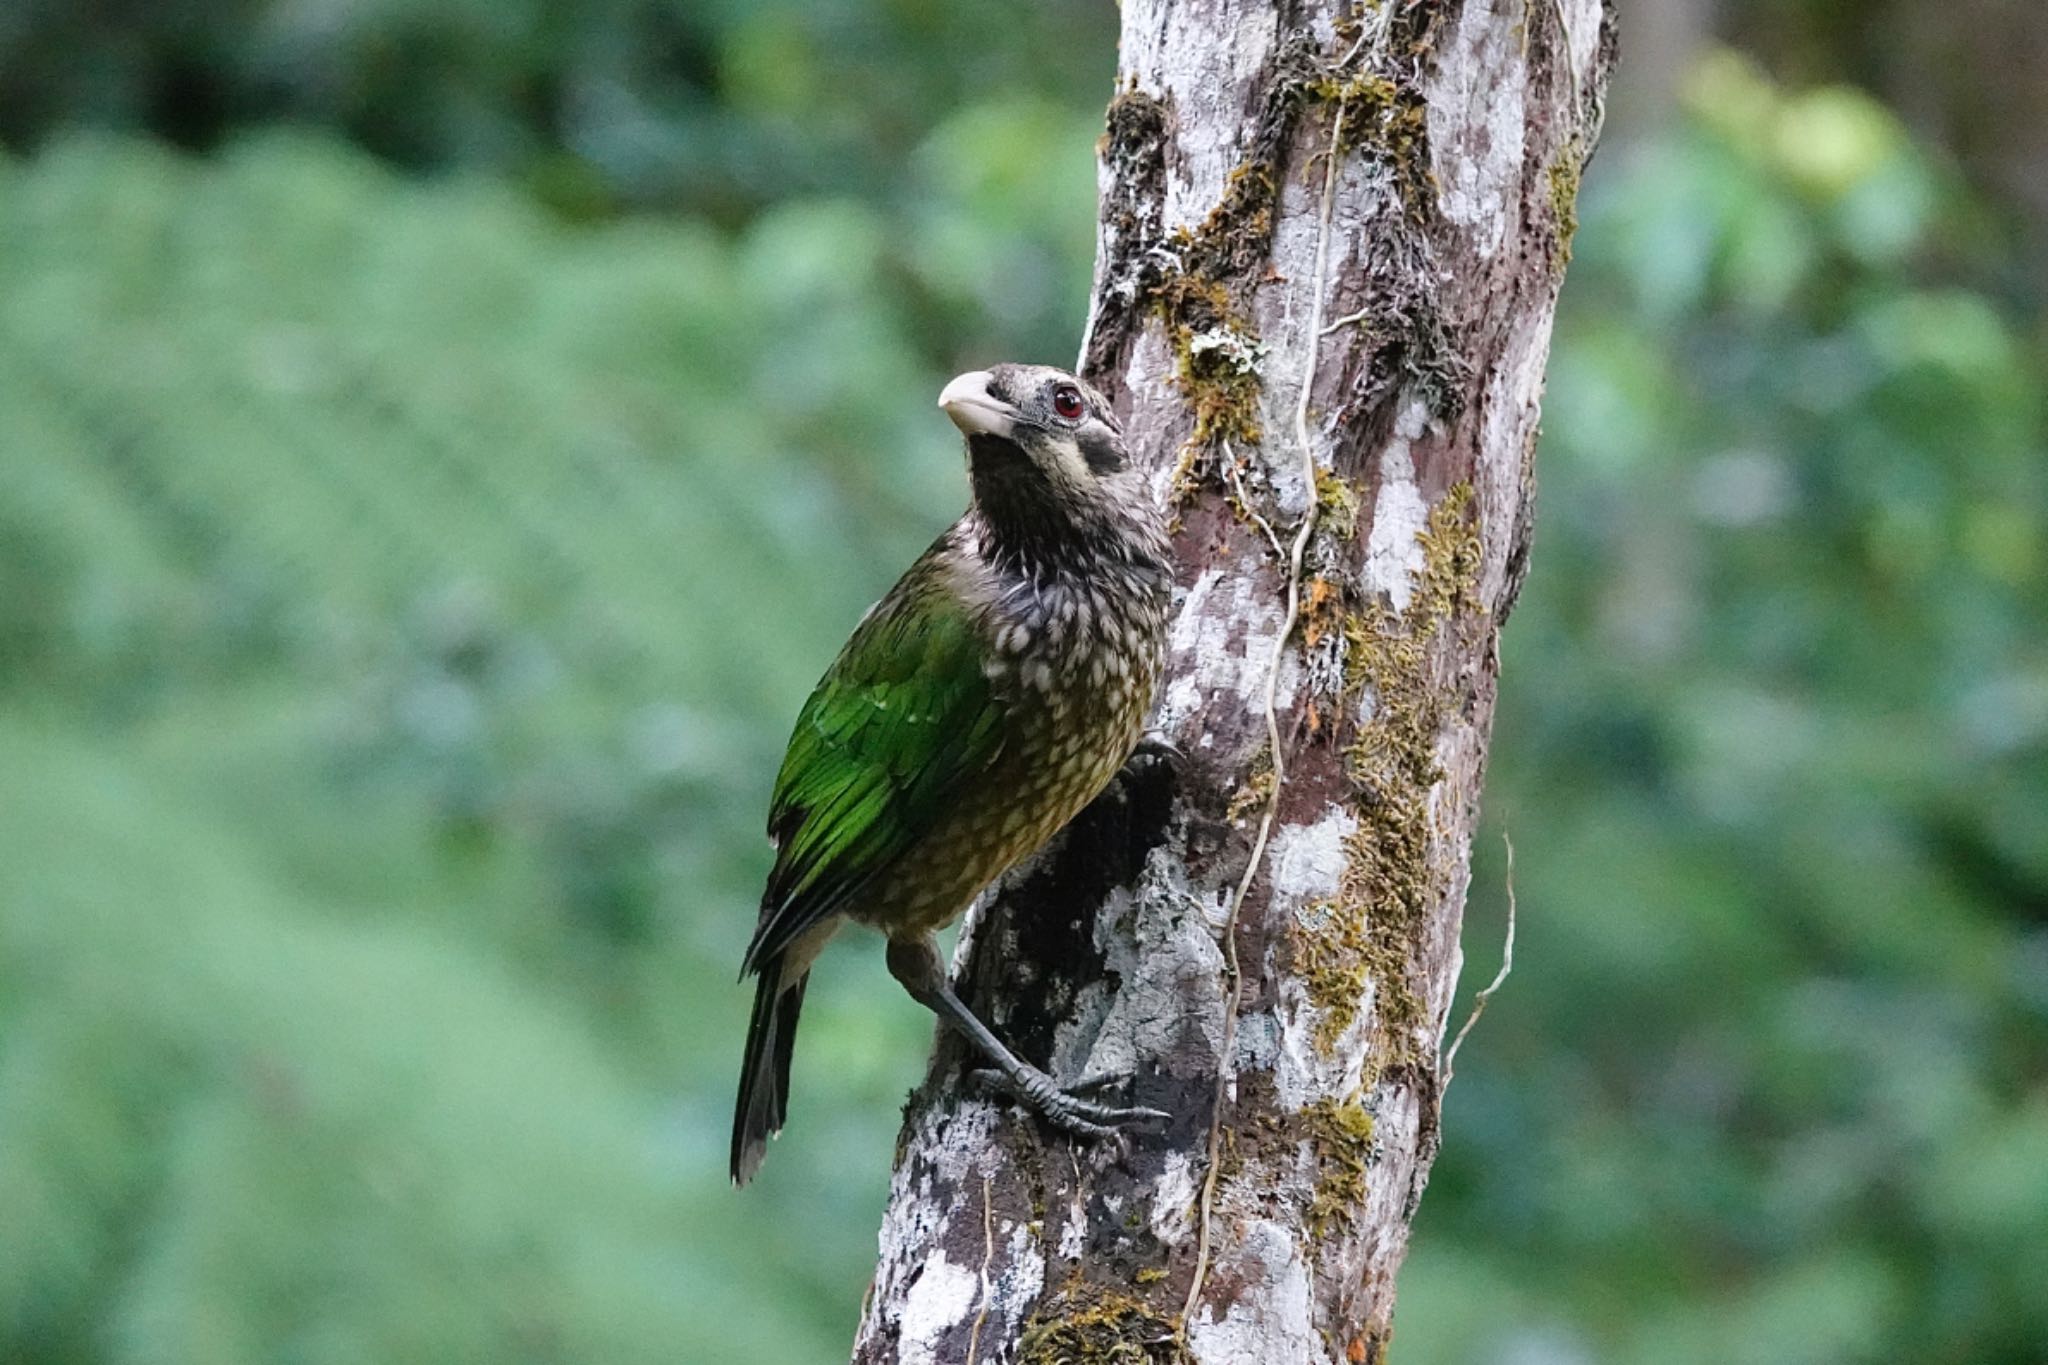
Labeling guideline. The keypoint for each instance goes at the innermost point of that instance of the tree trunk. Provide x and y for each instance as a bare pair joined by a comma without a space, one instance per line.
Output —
1331,237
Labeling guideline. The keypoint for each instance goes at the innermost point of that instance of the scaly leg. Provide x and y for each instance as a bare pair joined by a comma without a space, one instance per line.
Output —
915,963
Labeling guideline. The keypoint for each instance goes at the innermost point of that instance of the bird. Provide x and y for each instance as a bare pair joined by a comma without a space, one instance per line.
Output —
989,696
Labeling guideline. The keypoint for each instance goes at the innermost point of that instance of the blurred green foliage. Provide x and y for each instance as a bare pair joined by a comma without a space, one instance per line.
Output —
406,583
719,108
1770,1081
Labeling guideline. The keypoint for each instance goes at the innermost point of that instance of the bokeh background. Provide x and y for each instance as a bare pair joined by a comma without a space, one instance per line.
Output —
442,440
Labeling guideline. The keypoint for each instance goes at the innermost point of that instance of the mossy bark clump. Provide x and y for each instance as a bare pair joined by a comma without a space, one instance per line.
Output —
1562,179
1195,281
1250,798
1356,949
1100,1327
1183,279
1216,355
1340,1133
1385,117
1133,150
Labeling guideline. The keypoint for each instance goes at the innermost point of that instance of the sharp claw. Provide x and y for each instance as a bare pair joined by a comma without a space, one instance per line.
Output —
1091,1109
1106,1119
1127,1118
1066,1109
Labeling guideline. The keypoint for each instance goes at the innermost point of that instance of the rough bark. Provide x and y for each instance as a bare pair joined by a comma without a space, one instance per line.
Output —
1407,278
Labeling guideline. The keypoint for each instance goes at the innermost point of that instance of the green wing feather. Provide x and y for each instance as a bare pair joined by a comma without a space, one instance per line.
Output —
901,724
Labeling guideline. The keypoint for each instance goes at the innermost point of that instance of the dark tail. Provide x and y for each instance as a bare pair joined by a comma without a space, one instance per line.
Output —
764,1069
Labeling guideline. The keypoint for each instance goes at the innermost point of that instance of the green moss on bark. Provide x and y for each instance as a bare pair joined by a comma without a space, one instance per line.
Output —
1563,179
1338,501
1092,1326
1340,1133
1360,945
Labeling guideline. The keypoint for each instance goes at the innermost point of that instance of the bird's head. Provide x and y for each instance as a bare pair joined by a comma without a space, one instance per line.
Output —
1047,457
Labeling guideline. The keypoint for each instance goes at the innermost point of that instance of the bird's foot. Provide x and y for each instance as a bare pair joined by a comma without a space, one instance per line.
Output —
1070,1109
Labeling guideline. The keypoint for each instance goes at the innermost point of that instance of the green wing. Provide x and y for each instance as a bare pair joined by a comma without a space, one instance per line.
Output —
902,723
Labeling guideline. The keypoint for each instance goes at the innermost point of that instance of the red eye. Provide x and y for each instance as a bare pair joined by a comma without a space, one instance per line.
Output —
1066,401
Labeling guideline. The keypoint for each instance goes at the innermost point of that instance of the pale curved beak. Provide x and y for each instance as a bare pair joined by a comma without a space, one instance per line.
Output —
974,409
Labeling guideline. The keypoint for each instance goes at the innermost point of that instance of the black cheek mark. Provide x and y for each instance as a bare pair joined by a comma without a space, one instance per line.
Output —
1102,451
